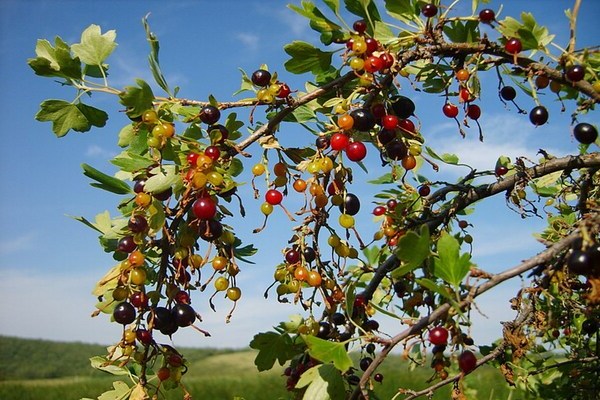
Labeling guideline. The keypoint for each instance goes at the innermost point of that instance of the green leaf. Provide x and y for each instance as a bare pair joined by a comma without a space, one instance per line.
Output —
383,33
137,99
163,178
105,182
328,352
95,47
405,11
66,116
462,32
413,249
273,347
55,61
153,58
132,162
103,364
306,58
448,158
126,135
318,21
364,8
449,265
303,113
334,5
156,217
384,179
322,382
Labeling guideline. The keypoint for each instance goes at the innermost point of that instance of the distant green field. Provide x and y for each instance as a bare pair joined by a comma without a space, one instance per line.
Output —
42,370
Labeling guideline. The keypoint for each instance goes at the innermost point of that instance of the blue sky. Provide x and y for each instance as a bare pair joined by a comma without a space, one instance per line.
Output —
49,262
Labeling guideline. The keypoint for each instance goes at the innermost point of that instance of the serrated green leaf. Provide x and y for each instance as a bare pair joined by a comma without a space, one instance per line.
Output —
55,61
272,347
105,182
137,99
328,352
66,116
449,265
306,58
95,47
322,382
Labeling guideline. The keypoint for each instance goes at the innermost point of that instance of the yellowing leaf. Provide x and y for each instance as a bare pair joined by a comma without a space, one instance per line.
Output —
139,393
95,47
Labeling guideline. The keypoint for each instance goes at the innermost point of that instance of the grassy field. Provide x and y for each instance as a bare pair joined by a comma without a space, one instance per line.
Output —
41,370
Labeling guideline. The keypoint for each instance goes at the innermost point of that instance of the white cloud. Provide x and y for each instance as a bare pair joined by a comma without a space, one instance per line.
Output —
18,243
250,40
297,24
95,151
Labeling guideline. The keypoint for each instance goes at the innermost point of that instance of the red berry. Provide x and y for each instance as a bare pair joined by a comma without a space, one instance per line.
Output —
339,141
163,373
467,361
450,110
389,122
284,91
424,190
360,26
429,10
373,64
501,170
379,210
406,125
356,151
487,16
204,208
473,111
438,336
372,45
513,46
273,197
212,152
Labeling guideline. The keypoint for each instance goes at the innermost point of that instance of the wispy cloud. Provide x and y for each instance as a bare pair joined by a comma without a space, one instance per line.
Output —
297,24
507,135
18,243
95,151
250,40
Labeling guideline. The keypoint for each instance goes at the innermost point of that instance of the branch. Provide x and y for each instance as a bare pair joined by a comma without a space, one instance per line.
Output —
481,192
521,319
541,258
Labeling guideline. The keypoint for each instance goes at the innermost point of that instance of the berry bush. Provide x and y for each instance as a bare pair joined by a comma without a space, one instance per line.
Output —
175,241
